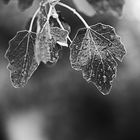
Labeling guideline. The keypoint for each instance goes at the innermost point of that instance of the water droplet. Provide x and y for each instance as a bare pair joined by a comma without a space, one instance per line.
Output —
105,78
104,27
112,36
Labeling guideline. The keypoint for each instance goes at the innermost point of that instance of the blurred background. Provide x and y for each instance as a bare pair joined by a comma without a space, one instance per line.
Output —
57,103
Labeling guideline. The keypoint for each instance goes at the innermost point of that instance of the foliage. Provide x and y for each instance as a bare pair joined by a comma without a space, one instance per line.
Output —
93,49
22,62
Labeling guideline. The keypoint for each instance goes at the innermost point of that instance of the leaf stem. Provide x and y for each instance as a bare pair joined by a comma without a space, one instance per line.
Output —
75,12
33,18
48,17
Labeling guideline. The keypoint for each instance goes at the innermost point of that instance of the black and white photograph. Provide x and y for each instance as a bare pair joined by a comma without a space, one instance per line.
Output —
69,69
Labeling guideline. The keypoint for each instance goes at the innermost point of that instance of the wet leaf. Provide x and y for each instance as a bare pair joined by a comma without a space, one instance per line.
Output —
42,18
48,35
46,41
94,51
21,57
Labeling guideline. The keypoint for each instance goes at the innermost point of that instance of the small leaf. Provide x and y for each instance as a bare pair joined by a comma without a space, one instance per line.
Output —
94,51
42,18
48,35
45,49
21,57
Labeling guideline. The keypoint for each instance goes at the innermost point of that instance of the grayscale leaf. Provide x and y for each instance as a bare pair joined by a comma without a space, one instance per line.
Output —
94,51
46,43
48,35
21,57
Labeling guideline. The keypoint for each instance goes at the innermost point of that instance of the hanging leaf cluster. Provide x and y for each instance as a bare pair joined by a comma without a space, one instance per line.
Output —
94,50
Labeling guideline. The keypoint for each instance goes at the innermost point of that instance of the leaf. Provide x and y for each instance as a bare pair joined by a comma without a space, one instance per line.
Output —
21,57
42,18
94,51
114,7
48,35
45,48
55,53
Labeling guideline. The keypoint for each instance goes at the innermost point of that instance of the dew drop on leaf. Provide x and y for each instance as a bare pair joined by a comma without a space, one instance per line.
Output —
93,51
21,57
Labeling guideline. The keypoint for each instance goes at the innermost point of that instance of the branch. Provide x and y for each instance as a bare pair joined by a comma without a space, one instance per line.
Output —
75,12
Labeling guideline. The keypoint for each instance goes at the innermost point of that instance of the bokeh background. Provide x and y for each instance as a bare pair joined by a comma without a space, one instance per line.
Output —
57,103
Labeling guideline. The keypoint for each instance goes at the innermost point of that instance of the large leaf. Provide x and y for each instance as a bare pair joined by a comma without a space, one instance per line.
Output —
93,51
21,57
